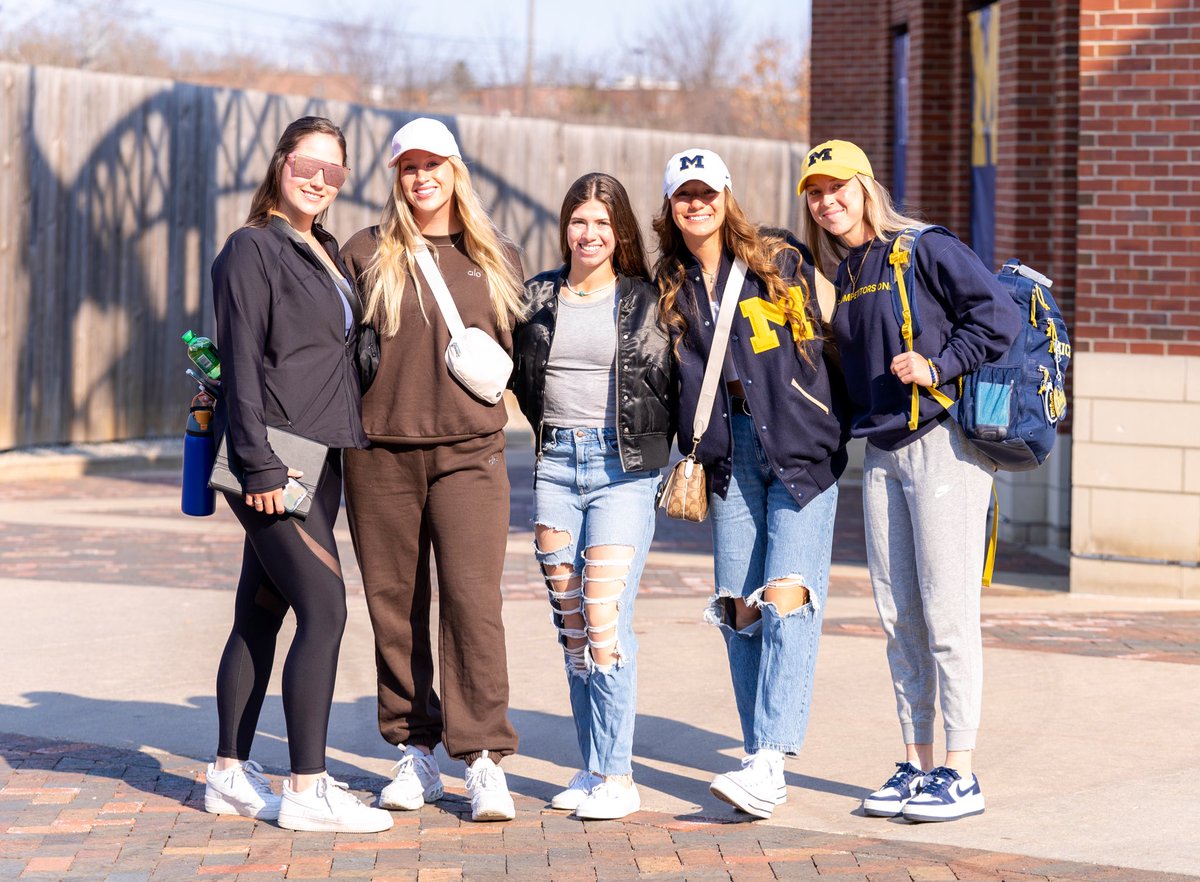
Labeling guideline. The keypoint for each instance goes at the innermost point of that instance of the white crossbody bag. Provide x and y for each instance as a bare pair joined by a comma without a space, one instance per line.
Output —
473,357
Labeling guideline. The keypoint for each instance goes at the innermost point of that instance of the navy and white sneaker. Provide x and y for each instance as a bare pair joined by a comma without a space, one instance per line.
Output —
945,796
890,799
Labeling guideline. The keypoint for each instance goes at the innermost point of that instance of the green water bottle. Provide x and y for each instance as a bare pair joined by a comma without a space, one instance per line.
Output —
203,354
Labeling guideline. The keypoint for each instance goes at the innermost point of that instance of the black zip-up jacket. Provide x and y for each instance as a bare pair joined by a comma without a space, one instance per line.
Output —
644,380
800,410
285,358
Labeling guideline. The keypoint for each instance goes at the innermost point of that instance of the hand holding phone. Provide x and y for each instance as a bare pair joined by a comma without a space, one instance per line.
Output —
293,494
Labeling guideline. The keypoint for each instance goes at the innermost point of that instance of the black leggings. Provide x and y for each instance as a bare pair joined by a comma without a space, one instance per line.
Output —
287,562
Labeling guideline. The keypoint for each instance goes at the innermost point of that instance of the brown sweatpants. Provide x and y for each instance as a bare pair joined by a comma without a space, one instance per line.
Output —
452,498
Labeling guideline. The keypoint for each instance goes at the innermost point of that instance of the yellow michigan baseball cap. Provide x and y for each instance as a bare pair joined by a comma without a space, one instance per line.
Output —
838,159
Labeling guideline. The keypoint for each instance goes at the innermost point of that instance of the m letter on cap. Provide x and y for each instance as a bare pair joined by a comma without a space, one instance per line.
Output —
816,156
686,162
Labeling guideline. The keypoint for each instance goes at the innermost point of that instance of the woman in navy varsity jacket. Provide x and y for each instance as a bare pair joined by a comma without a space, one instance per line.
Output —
773,451
925,488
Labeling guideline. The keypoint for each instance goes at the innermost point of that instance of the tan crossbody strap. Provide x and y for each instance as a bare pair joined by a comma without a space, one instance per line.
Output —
716,355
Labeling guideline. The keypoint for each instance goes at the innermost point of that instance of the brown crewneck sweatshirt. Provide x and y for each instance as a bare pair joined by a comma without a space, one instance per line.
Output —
413,399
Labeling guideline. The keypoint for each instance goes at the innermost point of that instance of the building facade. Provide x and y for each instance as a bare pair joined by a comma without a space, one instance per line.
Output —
1066,133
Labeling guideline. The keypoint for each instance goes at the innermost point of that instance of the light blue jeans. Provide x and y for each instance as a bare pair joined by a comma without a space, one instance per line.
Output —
580,490
760,535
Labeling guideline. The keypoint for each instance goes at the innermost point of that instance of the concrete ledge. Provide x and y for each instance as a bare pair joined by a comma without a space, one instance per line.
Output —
1131,578
60,461
57,462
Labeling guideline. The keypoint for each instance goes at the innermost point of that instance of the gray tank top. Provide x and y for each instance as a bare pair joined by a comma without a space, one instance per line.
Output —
581,374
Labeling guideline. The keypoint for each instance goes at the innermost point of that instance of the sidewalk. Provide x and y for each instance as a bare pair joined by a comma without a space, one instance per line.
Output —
119,606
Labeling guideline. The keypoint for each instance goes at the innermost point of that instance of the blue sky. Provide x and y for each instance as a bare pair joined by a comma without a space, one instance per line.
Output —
489,33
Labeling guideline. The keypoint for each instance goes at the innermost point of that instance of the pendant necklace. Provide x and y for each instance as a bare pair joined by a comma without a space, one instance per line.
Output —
579,292
853,277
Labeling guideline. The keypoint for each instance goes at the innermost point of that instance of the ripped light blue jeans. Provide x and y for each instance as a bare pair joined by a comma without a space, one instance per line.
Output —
760,534
602,520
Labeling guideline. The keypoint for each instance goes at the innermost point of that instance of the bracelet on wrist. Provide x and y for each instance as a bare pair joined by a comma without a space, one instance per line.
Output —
933,372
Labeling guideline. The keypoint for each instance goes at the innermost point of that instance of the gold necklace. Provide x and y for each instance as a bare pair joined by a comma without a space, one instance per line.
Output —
853,278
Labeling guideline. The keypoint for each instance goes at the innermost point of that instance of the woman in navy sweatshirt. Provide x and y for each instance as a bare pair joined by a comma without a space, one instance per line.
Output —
773,451
925,487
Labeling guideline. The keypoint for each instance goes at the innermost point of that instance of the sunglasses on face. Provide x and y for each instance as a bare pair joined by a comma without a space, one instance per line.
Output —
305,168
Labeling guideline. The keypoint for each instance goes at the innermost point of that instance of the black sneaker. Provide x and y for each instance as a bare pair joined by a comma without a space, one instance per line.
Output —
945,796
890,799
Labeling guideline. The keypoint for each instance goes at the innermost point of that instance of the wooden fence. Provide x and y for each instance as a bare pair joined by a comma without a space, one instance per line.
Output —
123,189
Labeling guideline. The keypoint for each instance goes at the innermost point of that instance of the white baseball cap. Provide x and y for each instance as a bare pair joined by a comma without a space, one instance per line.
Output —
426,134
696,165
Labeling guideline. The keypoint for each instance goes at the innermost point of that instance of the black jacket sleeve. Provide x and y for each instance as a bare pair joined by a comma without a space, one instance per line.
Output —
242,301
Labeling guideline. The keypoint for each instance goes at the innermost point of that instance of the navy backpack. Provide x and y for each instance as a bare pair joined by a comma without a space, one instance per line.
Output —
1009,408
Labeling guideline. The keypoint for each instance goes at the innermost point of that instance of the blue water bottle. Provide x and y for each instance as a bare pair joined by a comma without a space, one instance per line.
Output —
199,451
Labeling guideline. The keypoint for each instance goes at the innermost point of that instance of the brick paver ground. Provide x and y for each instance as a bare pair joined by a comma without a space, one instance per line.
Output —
75,811
82,811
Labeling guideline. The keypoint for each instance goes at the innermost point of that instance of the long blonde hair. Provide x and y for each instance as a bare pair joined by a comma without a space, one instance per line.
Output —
879,212
759,250
394,263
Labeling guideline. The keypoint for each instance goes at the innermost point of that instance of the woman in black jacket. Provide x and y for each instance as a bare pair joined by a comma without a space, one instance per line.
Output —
286,319
593,377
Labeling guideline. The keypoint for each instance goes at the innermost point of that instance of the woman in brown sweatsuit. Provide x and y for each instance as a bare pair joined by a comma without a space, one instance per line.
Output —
434,479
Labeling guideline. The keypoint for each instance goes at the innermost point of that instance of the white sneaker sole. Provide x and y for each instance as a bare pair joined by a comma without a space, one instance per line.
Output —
410,805
883,808
219,805
725,788
330,825
568,803
612,813
494,814
933,813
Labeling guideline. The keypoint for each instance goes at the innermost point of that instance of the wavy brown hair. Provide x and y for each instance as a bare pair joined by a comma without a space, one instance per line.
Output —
266,197
760,251
629,253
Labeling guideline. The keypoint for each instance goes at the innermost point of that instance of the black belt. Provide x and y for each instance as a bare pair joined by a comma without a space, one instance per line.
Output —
739,405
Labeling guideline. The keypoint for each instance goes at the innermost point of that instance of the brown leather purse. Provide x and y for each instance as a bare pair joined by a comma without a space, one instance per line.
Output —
684,495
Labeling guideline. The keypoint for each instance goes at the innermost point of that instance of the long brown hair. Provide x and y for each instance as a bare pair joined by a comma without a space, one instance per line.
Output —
266,197
629,255
743,239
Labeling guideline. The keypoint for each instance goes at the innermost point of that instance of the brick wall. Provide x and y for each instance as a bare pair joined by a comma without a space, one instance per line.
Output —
1139,177
851,78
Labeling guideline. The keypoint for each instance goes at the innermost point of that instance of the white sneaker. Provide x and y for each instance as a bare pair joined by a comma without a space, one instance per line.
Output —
578,788
488,789
608,801
945,796
417,781
329,806
241,790
757,787
890,799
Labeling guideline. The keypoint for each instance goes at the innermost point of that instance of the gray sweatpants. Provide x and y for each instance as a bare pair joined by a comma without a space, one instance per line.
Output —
925,508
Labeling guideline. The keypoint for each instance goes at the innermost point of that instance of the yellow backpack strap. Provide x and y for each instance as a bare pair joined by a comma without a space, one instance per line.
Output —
989,561
898,258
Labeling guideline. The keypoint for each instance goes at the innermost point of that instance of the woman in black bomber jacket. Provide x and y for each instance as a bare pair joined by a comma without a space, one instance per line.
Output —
286,319
593,376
